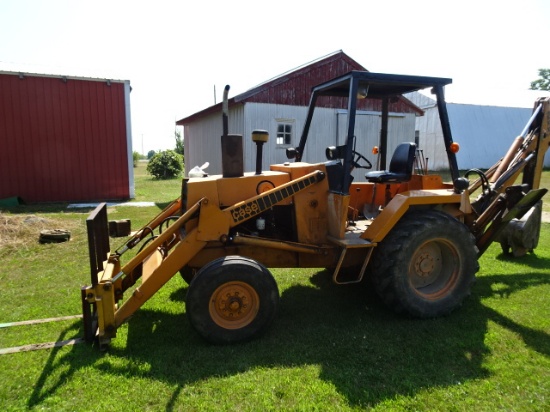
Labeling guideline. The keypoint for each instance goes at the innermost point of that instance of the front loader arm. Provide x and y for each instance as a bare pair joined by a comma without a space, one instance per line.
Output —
101,313
182,253
166,254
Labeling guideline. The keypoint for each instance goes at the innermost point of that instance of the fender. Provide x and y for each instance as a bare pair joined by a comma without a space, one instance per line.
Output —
398,206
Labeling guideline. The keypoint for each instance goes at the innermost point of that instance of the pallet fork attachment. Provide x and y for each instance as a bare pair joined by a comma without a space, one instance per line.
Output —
98,247
109,280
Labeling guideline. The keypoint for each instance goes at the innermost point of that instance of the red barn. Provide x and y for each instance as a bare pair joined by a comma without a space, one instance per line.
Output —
65,138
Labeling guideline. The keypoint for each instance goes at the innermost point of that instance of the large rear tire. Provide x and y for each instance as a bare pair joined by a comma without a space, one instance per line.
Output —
426,265
232,299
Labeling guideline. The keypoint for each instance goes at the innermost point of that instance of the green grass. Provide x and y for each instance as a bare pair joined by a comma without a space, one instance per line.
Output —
545,182
153,190
330,347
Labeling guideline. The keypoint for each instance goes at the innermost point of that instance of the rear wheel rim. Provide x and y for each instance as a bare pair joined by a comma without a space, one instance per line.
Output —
434,268
234,305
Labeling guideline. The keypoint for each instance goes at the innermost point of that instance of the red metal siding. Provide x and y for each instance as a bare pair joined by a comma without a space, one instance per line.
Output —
62,140
295,88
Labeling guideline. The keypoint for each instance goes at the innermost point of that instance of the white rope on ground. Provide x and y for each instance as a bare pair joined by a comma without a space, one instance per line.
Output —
36,321
38,346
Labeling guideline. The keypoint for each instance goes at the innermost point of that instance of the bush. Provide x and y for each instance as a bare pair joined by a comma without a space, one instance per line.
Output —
150,154
165,165
136,157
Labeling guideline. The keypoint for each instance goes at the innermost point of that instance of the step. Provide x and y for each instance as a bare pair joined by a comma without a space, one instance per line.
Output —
351,241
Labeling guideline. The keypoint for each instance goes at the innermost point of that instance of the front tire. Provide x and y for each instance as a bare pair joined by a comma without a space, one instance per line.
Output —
188,273
426,265
232,299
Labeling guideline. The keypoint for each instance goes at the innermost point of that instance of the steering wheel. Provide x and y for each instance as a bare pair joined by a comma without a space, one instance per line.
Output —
357,157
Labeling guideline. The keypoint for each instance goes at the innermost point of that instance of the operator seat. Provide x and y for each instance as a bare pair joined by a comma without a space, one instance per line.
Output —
401,168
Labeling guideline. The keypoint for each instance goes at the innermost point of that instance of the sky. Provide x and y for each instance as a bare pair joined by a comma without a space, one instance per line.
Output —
179,55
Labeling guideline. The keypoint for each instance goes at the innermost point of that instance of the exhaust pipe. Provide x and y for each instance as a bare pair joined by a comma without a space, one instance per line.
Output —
225,111
232,144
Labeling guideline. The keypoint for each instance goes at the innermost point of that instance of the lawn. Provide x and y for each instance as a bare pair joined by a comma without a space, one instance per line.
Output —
330,347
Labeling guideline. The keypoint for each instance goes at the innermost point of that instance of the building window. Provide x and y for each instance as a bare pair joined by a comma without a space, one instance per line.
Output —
284,134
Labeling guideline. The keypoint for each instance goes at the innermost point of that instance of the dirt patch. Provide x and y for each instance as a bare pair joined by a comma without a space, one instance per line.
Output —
546,217
23,230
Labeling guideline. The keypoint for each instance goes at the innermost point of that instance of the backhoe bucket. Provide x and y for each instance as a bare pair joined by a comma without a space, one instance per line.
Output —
522,235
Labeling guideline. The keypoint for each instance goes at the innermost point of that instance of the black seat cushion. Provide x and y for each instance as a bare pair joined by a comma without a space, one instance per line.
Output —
401,166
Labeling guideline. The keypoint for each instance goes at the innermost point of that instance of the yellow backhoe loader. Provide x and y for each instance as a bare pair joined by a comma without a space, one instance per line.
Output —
417,237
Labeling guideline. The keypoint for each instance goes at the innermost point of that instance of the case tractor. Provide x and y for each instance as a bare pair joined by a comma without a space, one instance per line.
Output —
416,235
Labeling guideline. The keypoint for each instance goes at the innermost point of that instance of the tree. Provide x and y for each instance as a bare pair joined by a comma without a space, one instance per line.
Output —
544,82
150,154
136,156
165,165
179,143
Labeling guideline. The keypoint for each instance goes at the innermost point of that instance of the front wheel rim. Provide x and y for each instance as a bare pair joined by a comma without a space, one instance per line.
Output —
234,305
434,268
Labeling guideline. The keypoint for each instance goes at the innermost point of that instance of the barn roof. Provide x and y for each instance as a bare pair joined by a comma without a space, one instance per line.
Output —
293,87
23,70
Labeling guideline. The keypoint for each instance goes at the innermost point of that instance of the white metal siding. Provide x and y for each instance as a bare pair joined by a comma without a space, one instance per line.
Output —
484,132
264,116
431,139
131,181
202,139
367,131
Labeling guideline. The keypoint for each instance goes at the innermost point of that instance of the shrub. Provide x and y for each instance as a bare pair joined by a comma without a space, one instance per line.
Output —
165,165
150,154
136,157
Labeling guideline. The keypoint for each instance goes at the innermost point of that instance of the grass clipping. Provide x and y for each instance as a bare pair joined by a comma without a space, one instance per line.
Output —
22,231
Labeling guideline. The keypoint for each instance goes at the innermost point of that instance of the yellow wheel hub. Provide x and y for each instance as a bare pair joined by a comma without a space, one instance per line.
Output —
234,305
434,268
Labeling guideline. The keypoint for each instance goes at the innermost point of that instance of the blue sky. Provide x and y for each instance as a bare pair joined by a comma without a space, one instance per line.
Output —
175,52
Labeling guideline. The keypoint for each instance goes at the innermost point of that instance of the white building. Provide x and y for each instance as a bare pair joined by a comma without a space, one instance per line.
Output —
280,107
484,132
